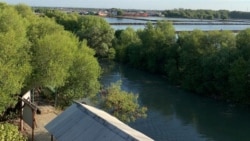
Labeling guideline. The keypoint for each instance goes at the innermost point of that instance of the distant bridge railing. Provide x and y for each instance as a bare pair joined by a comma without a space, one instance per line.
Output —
184,23
234,31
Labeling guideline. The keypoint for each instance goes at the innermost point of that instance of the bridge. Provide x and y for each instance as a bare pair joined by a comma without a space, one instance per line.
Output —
184,23
144,21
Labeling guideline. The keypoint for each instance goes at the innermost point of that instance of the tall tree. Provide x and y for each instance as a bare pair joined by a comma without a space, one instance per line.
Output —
52,50
97,32
127,37
156,41
219,48
52,58
243,44
84,75
14,58
60,61
190,59
239,80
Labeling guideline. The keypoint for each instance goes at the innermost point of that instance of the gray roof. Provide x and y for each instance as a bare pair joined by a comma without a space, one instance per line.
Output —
83,122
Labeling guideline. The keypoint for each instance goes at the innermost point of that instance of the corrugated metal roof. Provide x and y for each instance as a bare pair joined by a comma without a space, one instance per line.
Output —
83,122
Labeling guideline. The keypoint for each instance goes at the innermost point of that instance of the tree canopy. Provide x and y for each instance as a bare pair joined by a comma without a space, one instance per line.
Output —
37,52
97,32
15,59
212,63
122,104
84,69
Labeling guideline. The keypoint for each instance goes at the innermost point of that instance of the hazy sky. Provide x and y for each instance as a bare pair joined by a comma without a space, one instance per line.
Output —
241,5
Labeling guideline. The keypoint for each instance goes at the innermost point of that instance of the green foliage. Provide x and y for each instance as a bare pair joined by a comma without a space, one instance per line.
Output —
120,12
122,104
9,132
25,11
239,15
220,50
37,52
111,54
205,59
62,63
129,36
97,32
125,39
190,56
146,49
207,63
83,80
239,72
14,59
52,59
243,44
41,27
199,14
52,50
240,81
69,21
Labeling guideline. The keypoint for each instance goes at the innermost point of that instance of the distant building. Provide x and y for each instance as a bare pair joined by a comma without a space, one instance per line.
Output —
82,122
103,13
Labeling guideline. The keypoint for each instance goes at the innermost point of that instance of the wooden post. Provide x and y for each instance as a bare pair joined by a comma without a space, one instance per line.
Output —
33,124
52,138
21,116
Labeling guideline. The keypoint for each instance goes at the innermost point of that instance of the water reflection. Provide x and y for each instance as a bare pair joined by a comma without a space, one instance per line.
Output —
175,115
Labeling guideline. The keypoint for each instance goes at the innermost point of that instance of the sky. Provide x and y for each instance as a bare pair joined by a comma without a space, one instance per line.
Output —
239,5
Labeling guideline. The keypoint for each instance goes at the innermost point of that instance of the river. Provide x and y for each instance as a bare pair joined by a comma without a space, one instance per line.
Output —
180,27
176,115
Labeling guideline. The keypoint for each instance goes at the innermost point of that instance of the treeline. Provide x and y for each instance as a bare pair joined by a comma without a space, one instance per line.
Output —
214,63
95,30
206,14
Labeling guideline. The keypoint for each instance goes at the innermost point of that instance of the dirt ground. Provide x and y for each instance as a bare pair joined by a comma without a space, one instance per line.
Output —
48,113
